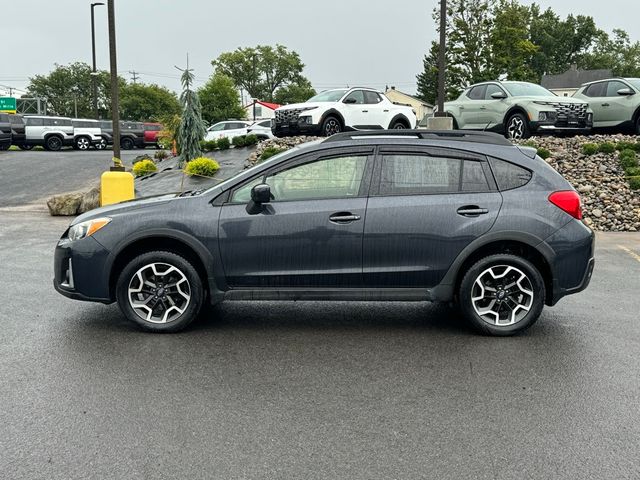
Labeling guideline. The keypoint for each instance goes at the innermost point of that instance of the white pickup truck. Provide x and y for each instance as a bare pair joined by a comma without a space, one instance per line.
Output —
343,109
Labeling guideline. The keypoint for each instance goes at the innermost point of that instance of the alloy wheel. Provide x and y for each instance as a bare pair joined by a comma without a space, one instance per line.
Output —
502,295
515,129
83,144
398,126
331,127
159,293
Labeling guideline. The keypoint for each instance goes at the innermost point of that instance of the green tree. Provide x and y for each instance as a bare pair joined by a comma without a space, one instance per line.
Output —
220,99
295,92
261,70
68,86
427,80
511,47
616,53
147,102
192,129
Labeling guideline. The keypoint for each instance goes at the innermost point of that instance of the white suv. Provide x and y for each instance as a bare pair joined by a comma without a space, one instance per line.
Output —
334,111
228,129
52,133
86,133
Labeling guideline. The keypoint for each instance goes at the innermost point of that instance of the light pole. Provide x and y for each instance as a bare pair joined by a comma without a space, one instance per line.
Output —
115,94
94,80
441,58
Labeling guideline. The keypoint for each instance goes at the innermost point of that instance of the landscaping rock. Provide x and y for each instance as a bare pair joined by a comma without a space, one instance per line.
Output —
65,204
90,200
283,143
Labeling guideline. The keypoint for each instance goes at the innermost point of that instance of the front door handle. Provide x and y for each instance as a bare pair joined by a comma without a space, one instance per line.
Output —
365,111
606,105
472,211
483,108
344,217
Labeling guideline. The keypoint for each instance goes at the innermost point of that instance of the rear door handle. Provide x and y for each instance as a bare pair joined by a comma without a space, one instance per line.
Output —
606,105
483,108
344,217
472,211
365,111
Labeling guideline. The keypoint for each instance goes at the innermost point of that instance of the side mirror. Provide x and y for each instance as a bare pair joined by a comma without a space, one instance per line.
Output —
498,95
626,92
260,194
350,100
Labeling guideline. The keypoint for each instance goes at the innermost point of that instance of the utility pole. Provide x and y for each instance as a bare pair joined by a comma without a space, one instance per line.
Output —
135,75
441,57
94,80
115,94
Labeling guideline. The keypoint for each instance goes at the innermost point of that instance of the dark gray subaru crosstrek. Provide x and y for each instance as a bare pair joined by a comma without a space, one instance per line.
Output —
387,215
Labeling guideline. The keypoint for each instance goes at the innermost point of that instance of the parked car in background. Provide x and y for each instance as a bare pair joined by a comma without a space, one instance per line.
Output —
615,103
342,109
151,131
228,129
261,129
450,216
5,131
518,110
18,135
52,133
131,135
86,133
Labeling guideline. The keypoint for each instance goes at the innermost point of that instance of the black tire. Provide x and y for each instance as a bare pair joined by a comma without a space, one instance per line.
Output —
53,143
126,143
517,127
398,125
520,309
331,126
82,143
5,146
25,147
101,145
638,125
183,281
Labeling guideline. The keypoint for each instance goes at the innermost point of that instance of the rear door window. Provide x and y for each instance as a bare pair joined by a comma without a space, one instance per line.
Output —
371,98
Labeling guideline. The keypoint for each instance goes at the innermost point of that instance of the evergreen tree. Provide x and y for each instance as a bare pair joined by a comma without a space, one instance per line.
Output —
192,129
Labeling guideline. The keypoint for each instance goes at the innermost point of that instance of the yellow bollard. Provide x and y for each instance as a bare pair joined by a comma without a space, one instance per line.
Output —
116,186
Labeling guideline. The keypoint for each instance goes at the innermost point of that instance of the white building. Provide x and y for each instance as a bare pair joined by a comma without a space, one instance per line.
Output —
258,110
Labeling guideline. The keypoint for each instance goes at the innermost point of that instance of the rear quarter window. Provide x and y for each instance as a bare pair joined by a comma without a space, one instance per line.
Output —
509,176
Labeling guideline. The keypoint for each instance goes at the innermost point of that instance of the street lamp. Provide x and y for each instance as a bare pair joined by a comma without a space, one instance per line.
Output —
115,94
94,81
442,58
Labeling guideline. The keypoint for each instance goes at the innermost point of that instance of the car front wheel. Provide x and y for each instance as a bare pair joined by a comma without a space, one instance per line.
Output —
517,127
160,291
502,294
53,143
331,126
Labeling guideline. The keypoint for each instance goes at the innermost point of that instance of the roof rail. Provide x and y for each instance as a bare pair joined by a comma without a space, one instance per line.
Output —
455,135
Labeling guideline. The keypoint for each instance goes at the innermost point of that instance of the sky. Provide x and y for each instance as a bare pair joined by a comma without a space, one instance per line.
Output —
372,43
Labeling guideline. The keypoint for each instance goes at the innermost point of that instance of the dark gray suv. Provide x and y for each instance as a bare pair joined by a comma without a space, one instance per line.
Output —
391,215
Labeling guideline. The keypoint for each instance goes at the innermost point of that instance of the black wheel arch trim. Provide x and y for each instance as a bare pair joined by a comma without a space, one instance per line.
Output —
332,113
511,111
445,291
212,265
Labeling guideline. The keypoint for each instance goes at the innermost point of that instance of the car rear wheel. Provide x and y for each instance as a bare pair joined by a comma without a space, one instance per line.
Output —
502,294
53,143
638,125
25,147
398,125
160,291
126,144
517,127
101,145
331,126
5,146
83,143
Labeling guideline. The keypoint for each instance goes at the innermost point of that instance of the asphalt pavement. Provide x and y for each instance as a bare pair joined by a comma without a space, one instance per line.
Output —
314,390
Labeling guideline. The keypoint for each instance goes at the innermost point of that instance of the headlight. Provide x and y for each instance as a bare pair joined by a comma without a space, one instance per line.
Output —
540,102
88,228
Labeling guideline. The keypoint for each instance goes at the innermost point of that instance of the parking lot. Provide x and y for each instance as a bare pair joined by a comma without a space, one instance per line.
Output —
310,389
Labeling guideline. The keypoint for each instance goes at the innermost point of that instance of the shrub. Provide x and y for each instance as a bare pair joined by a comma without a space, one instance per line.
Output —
632,172
208,145
589,149
270,152
628,159
223,143
240,141
634,183
607,147
544,153
160,155
203,166
251,139
529,143
144,167
624,145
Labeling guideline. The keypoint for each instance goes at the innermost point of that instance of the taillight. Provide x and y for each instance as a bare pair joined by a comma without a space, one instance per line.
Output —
568,201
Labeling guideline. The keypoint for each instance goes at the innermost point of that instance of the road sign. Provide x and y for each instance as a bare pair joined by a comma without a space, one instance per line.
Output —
7,104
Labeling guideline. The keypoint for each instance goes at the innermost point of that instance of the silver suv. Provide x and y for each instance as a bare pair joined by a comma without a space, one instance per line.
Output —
52,133
86,133
615,103
518,110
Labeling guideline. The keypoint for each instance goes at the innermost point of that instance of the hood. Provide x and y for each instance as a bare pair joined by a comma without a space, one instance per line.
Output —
124,207
308,105
550,99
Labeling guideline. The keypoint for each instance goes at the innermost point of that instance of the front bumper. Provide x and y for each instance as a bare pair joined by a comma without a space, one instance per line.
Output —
295,128
569,125
79,271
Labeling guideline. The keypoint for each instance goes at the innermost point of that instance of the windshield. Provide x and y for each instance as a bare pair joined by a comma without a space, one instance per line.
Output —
524,89
329,96
634,81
